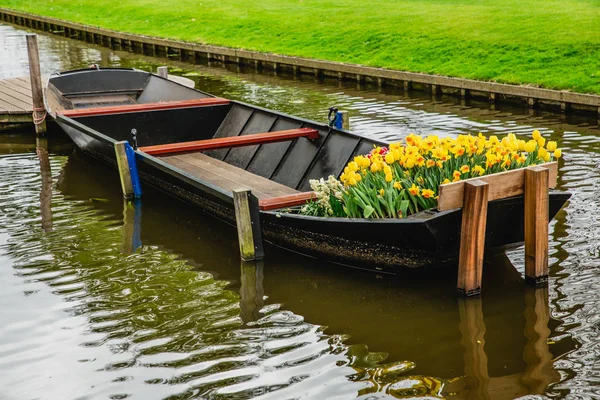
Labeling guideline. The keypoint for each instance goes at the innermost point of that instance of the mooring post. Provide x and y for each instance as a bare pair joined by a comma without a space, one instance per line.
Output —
472,237
345,119
130,181
163,72
536,223
39,112
252,291
247,219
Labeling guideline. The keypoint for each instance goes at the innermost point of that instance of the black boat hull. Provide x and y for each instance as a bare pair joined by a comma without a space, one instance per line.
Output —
426,239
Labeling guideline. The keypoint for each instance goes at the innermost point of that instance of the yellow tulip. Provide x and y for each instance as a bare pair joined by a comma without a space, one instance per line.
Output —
389,157
551,145
542,153
530,146
557,153
536,135
541,141
382,192
388,178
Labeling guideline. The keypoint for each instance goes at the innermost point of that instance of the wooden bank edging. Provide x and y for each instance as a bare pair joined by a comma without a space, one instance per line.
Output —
437,85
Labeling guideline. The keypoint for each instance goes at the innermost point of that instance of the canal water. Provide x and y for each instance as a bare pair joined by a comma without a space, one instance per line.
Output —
100,299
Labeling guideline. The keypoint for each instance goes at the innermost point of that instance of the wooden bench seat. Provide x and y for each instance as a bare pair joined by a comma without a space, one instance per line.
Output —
271,195
167,105
227,176
228,142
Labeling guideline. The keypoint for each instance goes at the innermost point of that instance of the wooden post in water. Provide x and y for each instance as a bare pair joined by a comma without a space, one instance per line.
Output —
247,219
472,237
130,181
123,166
536,223
163,72
251,290
39,111
343,114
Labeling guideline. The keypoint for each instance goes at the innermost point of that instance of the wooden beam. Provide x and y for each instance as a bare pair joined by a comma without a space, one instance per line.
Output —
84,112
123,167
247,220
502,185
290,200
536,223
39,111
472,237
228,142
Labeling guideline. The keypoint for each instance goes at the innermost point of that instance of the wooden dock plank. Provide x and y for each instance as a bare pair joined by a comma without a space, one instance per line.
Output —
16,103
11,104
14,85
20,99
227,176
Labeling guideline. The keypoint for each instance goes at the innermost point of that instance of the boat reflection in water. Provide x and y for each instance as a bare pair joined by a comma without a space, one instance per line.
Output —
424,340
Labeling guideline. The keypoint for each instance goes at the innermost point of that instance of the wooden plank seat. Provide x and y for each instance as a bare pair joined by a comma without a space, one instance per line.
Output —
228,142
226,176
167,105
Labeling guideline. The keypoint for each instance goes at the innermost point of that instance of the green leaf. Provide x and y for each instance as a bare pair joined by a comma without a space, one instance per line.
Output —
368,211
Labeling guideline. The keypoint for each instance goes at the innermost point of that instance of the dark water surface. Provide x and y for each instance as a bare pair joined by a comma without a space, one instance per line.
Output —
87,314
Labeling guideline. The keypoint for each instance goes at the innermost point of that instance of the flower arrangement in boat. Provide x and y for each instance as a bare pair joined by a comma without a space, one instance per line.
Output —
404,179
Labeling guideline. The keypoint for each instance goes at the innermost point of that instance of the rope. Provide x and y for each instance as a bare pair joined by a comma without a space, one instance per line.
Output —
39,120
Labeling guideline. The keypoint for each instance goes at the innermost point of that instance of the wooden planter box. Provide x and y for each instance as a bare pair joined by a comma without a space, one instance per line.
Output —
473,196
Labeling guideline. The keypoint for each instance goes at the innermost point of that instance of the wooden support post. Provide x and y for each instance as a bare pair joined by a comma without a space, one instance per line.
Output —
163,72
435,91
407,86
536,224
130,181
123,165
564,107
252,291
343,114
247,219
531,102
39,112
472,237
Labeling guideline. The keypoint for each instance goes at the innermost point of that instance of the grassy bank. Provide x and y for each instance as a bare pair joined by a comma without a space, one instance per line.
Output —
551,44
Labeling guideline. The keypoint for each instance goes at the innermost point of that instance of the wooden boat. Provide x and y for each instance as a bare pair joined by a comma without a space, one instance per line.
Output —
199,148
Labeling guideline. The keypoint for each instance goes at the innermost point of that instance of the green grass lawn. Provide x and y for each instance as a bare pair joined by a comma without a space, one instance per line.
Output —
549,43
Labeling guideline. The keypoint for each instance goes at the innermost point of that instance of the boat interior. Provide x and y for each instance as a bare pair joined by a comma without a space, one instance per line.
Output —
115,88
230,144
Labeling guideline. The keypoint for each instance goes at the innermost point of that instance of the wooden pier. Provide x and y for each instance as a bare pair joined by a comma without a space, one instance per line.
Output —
16,103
